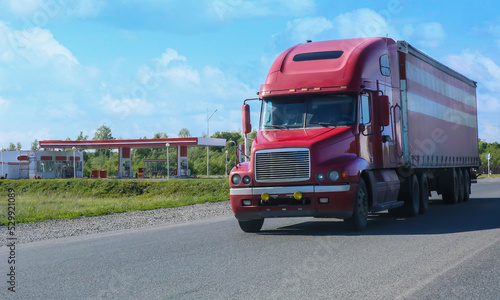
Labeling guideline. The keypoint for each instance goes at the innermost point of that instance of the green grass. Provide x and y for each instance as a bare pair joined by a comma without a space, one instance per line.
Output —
482,176
38,200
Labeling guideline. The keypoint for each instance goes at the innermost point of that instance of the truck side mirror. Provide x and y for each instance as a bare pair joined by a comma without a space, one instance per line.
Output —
383,108
247,127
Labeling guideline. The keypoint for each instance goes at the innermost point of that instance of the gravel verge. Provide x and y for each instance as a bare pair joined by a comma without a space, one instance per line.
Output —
53,229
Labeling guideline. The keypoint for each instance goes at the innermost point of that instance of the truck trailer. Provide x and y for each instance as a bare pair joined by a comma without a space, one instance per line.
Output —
353,126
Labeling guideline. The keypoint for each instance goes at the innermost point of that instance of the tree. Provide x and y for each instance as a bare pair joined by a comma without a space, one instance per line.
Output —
19,146
491,148
184,132
160,135
12,147
82,137
228,136
103,133
34,145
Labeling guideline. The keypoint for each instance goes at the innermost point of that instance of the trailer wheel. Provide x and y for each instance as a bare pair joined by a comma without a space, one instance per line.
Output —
412,202
467,184
450,193
252,225
359,216
461,185
424,193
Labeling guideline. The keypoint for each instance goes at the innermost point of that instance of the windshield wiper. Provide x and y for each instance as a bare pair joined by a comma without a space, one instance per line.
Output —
324,124
276,126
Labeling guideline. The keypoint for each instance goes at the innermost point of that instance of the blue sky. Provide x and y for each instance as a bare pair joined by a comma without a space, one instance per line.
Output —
142,67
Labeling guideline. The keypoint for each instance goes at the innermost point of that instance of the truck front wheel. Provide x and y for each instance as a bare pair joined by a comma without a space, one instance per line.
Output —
359,216
252,225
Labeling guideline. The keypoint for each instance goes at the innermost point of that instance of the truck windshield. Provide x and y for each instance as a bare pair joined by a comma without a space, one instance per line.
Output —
308,111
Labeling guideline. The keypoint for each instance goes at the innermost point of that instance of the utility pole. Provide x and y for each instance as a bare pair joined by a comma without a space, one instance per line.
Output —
208,133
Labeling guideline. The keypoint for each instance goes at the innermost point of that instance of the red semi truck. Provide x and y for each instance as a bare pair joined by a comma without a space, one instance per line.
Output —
353,126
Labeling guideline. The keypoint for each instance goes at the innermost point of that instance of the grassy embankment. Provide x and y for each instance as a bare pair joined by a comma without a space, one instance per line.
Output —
482,176
38,200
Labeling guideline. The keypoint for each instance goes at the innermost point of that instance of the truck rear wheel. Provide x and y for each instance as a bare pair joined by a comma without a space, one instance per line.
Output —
450,193
424,193
461,185
412,202
359,216
467,184
252,225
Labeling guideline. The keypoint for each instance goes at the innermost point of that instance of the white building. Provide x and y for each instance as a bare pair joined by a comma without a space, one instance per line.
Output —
41,164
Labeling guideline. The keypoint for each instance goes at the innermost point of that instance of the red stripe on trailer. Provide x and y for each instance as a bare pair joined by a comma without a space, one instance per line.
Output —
450,80
61,158
440,98
45,157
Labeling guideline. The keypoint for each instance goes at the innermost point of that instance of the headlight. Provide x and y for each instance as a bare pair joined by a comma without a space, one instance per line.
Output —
333,175
236,179
247,179
320,177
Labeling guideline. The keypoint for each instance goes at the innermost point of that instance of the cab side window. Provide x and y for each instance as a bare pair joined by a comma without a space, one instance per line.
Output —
384,65
364,113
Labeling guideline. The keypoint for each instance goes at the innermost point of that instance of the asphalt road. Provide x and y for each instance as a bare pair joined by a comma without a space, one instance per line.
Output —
452,252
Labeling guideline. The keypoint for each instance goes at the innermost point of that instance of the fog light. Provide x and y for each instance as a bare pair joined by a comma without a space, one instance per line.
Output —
264,196
297,195
323,200
246,202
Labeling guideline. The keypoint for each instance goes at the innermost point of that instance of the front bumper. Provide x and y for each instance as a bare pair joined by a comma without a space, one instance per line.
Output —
282,204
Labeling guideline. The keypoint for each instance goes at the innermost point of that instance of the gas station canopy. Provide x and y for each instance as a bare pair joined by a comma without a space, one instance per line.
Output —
134,143
124,149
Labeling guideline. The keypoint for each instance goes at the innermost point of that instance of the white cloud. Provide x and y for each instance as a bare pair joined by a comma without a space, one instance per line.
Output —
478,67
169,69
23,7
308,28
430,34
34,46
489,132
25,137
4,104
42,12
62,110
223,86
126,107
85,8
363,22
230,9
488,103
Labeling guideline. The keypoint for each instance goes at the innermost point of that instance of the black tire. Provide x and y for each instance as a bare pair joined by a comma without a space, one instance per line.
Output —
424,193
359,216
252,225
412,202
461,185
450,193
467,184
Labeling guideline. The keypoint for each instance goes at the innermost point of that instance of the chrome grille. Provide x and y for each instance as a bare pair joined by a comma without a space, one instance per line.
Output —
281,165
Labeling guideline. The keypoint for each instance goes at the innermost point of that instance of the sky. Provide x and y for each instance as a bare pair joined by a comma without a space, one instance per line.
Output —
143,67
